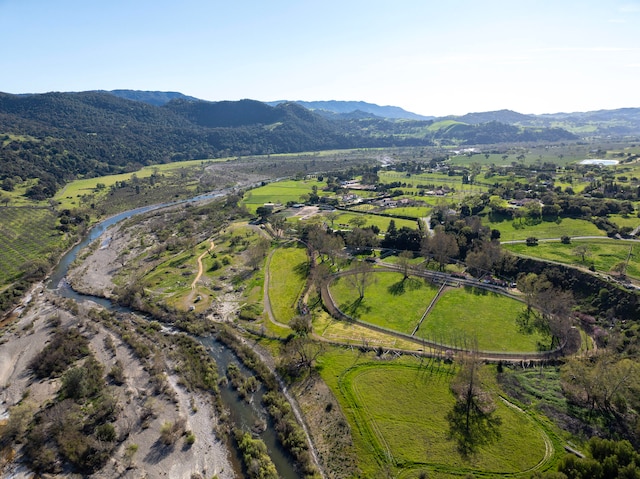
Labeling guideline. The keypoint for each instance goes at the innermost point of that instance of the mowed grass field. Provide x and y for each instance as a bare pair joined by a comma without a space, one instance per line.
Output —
26,233
398,415
388,302
604,253
459,317
515,231
464,315
381,222
288,272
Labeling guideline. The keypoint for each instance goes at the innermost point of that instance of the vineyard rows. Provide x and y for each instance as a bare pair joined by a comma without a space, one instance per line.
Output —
26,234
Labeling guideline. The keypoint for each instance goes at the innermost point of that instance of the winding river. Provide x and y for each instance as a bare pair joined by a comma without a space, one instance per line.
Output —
243,414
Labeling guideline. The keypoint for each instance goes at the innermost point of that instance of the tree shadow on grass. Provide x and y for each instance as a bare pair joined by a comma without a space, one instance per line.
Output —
404,285
302,270
355,309
397,289
481,429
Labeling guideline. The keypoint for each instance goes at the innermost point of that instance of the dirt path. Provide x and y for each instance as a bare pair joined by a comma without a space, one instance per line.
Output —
200,266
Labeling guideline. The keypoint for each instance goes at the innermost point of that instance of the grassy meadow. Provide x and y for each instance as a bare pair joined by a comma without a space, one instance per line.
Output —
288,271
381,222
74,193
603,254
517,230
389,302
460,316
281,192
390,431
464,315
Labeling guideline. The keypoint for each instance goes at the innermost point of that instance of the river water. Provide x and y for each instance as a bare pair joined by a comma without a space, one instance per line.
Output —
243,414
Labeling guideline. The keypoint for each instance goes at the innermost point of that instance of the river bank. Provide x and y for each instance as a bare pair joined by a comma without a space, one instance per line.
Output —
136,396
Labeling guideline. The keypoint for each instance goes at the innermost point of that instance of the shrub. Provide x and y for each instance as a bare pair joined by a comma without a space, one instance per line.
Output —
117,373
65,348
532,241
255,457
106,432
171,431
83,381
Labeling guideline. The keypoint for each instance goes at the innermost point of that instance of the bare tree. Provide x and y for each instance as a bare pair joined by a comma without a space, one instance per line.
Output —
404,263
582,250
278,223
257,252
361,277
441,246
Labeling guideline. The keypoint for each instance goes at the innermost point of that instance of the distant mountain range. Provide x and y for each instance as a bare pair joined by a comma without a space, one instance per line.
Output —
348,108
622,121
56,137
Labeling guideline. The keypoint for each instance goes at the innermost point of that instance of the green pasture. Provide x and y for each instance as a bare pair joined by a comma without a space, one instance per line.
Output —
388,302
415,179
464,315
520,229
536,155
288,271
71,195
363,208
622,221
381,222
18,197
604,253
398,415
411,211
281,192
577,186
26,234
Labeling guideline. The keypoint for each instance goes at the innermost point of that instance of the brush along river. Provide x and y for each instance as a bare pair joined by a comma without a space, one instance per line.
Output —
244,415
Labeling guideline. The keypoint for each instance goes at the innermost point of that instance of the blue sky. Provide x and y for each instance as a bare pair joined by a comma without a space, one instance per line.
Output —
430,57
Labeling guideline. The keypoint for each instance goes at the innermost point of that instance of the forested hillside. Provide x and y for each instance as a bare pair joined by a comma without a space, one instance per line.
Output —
56,137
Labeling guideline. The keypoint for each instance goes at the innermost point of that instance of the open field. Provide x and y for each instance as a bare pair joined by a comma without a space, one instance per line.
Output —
511,230
389,302
411,181
356,334
459,317
287,275
628,221
381,222
412,211
389,431
281,192
464,315
604,254
72,194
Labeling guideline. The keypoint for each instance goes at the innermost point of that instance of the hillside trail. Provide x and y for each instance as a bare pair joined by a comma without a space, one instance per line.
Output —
190,298
200,265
